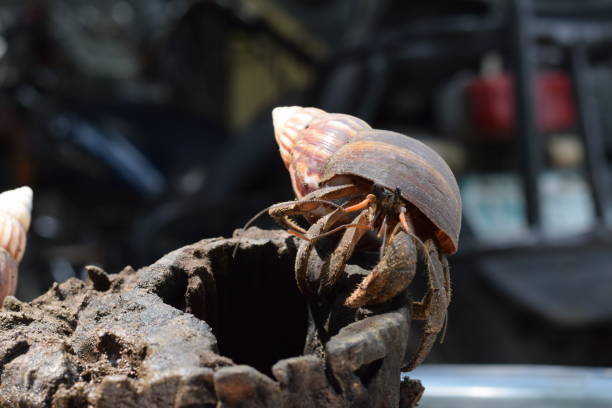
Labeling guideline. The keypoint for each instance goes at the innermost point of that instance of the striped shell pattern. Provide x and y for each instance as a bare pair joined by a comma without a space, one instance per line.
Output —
307,137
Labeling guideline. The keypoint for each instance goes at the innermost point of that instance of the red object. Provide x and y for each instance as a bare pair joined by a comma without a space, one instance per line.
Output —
492,106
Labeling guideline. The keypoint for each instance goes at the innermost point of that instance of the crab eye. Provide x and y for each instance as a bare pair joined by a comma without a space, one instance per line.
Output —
378,190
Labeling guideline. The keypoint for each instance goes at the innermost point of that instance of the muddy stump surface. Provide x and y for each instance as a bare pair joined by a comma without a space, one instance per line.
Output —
199,328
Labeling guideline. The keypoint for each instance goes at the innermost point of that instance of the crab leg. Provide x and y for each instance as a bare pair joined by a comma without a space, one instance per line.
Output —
317,203
433,307
345,250
303,257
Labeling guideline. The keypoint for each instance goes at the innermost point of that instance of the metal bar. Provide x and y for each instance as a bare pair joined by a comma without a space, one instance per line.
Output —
590,130
513,386
527,137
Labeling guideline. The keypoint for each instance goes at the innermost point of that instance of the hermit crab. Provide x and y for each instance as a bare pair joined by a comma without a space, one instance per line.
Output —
373,186
15,209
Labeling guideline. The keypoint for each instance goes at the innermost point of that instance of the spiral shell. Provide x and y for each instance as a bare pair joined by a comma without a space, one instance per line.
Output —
15,213
307,138
288,121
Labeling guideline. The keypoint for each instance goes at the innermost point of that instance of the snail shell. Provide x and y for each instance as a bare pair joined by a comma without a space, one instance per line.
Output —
15,213
307,137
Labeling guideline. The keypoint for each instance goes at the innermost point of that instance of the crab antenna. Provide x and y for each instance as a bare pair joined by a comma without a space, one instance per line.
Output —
340,228
262,212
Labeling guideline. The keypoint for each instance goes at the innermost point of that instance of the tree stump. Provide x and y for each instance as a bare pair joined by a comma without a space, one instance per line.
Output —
200,328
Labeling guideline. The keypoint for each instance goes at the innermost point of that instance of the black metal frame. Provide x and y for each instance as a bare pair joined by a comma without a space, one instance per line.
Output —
576,37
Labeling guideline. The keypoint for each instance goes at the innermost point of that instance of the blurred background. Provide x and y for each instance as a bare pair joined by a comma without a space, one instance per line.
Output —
144,125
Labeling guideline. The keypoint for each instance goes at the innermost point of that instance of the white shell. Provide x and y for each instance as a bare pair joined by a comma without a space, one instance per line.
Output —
15,216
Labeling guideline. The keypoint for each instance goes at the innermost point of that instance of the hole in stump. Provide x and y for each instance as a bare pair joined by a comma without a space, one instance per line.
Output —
110,346
172,291
367,372
261,316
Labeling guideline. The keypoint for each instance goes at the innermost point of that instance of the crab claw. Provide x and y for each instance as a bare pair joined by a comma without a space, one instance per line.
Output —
391,275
